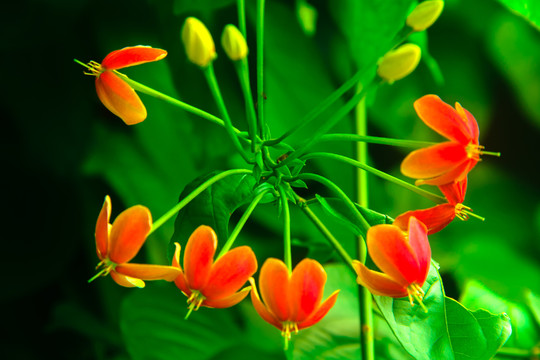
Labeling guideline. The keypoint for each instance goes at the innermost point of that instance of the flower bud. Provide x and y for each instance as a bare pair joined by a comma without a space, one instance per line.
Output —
234,43
398,63
425,14
199,44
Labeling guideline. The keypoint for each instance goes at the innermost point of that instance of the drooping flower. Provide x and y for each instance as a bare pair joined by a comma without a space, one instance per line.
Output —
291,301
198,41
449,161
208,283
436,218
119,243
115,93
403,257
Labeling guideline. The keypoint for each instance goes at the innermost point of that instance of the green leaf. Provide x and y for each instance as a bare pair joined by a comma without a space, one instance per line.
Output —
214,206
533,302
153,325
528,9
475,334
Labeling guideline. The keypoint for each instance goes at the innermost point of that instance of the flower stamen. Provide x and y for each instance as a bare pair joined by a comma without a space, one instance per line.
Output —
415,292
194,301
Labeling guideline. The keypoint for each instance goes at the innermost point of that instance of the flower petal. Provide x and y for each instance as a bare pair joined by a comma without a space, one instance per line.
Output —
434,160
435,218
320,312
199,257
126,281
120,98
305,289
149,272
471,122
102,229
377,282
133,55
455,175
454,192
260,308
392,253
180,280
419,242
230,272
228,301
443,118
274,286
128,233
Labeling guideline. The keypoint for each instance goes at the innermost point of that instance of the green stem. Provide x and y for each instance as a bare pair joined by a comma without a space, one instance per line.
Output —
324,231
365,298
376,140
260,68
337,190
433,197
243,76
515,353
242,17
192,109
287,256
194,194
241,223
327,126
214,88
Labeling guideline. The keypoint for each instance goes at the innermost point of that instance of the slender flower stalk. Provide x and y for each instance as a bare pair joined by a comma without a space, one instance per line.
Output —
286,227
260,69
376,140
433,197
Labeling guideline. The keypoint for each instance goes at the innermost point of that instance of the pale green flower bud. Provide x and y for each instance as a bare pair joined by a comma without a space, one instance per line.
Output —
425,14
398,63
200,48
234,43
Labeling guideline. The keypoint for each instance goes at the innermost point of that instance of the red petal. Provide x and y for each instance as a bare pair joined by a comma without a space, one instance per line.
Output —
199,257
443,118
149,272
392,253
128,233
320,312
229,300
230,272
455,175
454,192
435,218
377,282
180,280
419,242
260,308
120,98
469,119
305,289
130,56
126,281
434,161
274,285
102,229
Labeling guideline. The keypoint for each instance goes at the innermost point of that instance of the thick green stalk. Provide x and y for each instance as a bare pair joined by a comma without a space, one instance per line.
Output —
376,140
214,88
194,194
287,256
239,226
260,69
241,4
243,76
433,197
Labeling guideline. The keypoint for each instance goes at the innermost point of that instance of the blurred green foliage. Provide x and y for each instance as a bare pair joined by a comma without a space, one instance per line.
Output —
69,152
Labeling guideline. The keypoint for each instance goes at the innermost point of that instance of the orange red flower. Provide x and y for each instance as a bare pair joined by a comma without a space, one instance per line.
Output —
117,244
449,161
436,218
208,283
291,301
403,257
115,93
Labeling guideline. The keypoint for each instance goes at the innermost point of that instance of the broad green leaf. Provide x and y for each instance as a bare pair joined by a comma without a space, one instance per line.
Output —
525,333
533,302
153,325
214,206
528,9
423,335
475,334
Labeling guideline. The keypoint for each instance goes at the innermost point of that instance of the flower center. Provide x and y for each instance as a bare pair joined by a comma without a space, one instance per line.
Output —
474,151
194,301
416,293
105,266
288,327
94,68
462,212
